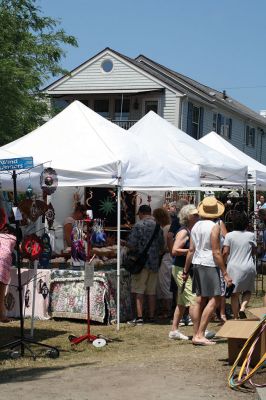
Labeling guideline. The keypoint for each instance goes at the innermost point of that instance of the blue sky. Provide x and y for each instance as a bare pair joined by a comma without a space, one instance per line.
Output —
220,43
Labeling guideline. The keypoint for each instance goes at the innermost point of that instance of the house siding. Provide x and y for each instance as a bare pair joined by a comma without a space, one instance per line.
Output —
263,149
93,78
169,107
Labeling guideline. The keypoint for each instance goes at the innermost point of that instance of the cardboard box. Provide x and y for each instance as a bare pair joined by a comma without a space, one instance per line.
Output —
238,331
258,312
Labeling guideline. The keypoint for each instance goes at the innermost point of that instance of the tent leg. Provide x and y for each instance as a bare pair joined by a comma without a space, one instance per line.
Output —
118,254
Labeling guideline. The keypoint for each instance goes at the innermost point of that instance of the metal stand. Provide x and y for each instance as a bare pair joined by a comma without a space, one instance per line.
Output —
89,337
23,342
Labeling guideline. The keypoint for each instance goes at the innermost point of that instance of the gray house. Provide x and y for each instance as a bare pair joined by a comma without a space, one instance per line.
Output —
123,90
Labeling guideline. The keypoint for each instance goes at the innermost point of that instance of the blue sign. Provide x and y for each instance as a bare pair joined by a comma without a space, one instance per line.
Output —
10,164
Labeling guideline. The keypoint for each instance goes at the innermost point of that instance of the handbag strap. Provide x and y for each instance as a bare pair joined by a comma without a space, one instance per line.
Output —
148,245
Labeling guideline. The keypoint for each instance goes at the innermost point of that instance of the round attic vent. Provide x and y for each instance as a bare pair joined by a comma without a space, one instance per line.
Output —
107,66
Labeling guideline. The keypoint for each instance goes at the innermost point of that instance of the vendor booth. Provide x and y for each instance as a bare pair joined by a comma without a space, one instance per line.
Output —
85,149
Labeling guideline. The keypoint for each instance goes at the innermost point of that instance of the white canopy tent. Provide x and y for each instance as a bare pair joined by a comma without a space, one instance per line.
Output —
157,134
88,150
85,149
256,170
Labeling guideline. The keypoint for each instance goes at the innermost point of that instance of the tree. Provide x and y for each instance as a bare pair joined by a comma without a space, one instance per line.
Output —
30,53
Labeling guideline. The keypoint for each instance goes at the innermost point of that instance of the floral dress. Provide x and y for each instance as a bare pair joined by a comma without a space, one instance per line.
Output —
7,244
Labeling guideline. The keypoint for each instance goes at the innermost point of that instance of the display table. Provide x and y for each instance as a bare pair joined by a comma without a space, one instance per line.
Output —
60,293
69,298
41,293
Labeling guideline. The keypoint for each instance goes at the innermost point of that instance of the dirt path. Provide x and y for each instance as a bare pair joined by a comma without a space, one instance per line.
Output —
125,381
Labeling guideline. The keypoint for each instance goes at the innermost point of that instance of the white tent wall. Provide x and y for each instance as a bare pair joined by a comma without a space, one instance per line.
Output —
63,203
157,199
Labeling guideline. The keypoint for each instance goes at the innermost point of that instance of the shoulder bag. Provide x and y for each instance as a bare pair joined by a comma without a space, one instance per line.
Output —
135,262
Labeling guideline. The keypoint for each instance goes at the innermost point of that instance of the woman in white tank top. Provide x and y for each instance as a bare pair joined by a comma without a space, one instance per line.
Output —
205,254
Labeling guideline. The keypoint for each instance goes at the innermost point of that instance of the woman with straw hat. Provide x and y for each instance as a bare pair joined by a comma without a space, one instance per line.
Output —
205,255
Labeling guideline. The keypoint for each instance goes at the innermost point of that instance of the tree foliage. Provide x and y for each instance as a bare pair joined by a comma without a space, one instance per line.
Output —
30,53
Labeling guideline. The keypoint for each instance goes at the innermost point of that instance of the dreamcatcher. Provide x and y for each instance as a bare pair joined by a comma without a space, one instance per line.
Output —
32,209
32,247
48,181
98,236
78,251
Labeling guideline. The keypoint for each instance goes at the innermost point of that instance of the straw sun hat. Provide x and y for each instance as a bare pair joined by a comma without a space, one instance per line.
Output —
210,207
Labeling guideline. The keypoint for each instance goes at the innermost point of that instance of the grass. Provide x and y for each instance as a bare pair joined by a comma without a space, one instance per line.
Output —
130,344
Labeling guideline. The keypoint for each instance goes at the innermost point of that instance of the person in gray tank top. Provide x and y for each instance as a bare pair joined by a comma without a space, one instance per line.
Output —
238,251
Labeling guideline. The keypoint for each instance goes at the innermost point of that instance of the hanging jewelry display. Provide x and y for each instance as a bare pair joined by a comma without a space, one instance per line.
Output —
32,247
98,236
46,253
50,215
48,180
78,251
124,208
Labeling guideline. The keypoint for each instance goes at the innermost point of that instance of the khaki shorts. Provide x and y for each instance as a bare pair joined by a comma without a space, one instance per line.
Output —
187,298
144,282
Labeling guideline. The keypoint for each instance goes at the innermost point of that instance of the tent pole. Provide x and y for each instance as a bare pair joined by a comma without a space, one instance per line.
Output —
118,253
198,196
255,206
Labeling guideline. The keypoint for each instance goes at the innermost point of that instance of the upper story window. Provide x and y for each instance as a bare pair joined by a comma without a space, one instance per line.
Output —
195,120
107,66
250,136
151,105
101,106
222,125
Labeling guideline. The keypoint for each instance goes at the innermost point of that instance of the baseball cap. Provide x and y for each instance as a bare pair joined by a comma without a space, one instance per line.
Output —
144,209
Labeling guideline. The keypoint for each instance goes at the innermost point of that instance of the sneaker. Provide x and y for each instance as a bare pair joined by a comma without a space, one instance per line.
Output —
209,334
182,322
177,335
136,322
242,315
188,321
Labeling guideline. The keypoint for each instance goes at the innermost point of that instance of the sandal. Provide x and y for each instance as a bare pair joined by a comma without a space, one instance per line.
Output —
203,343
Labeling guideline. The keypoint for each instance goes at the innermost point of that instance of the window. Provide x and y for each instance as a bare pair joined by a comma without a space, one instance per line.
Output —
151,105
195,120
102,107
250,136
107,66
222,125
122,109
